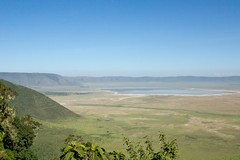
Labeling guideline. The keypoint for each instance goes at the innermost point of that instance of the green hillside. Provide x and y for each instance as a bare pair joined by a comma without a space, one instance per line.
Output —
36,104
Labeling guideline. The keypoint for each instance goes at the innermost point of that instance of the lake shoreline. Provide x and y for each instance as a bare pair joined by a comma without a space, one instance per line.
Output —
197,92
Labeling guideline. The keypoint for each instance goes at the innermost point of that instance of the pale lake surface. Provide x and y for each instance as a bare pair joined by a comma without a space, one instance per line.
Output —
170,91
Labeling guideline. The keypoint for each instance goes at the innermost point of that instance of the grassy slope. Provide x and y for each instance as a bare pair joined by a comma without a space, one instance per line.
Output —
37,105
50,139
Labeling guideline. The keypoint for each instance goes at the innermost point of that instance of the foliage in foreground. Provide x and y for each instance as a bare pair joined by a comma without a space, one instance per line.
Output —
16,134
76,149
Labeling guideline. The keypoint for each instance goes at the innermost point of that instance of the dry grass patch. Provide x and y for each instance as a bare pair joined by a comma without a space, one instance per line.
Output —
213,126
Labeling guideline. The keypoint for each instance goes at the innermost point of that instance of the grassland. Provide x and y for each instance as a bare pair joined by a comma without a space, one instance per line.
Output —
206,127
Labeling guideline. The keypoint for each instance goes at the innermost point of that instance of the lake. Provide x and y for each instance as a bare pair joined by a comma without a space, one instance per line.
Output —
169,91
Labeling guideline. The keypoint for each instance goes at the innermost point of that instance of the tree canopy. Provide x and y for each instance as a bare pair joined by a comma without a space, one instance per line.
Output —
16,133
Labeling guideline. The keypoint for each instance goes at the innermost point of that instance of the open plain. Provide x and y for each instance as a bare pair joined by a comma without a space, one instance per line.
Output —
206,127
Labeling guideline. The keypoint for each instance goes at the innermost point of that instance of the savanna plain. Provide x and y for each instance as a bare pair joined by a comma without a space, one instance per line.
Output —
207,127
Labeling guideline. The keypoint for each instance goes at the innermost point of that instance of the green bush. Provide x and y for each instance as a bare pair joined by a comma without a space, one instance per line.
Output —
76,149
16,134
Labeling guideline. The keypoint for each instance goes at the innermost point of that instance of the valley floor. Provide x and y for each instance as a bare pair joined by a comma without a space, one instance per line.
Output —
206,127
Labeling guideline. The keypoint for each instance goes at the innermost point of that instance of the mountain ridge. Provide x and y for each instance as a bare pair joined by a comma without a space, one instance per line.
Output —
49,79
36,79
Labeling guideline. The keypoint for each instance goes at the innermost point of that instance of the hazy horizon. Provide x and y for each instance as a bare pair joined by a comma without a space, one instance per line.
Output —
137,76
121,37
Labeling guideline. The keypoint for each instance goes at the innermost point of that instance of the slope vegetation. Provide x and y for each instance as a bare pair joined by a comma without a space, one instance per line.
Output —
37,105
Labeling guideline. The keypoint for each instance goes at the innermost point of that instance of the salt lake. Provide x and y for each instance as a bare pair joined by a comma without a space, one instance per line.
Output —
170,91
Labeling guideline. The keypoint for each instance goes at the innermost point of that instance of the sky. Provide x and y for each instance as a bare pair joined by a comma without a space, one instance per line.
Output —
121,37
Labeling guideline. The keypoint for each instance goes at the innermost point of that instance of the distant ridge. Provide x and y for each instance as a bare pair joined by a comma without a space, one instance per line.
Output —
36,79
37,105
157,79
47,79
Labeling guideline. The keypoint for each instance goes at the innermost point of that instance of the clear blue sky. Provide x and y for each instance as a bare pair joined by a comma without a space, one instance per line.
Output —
121,37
